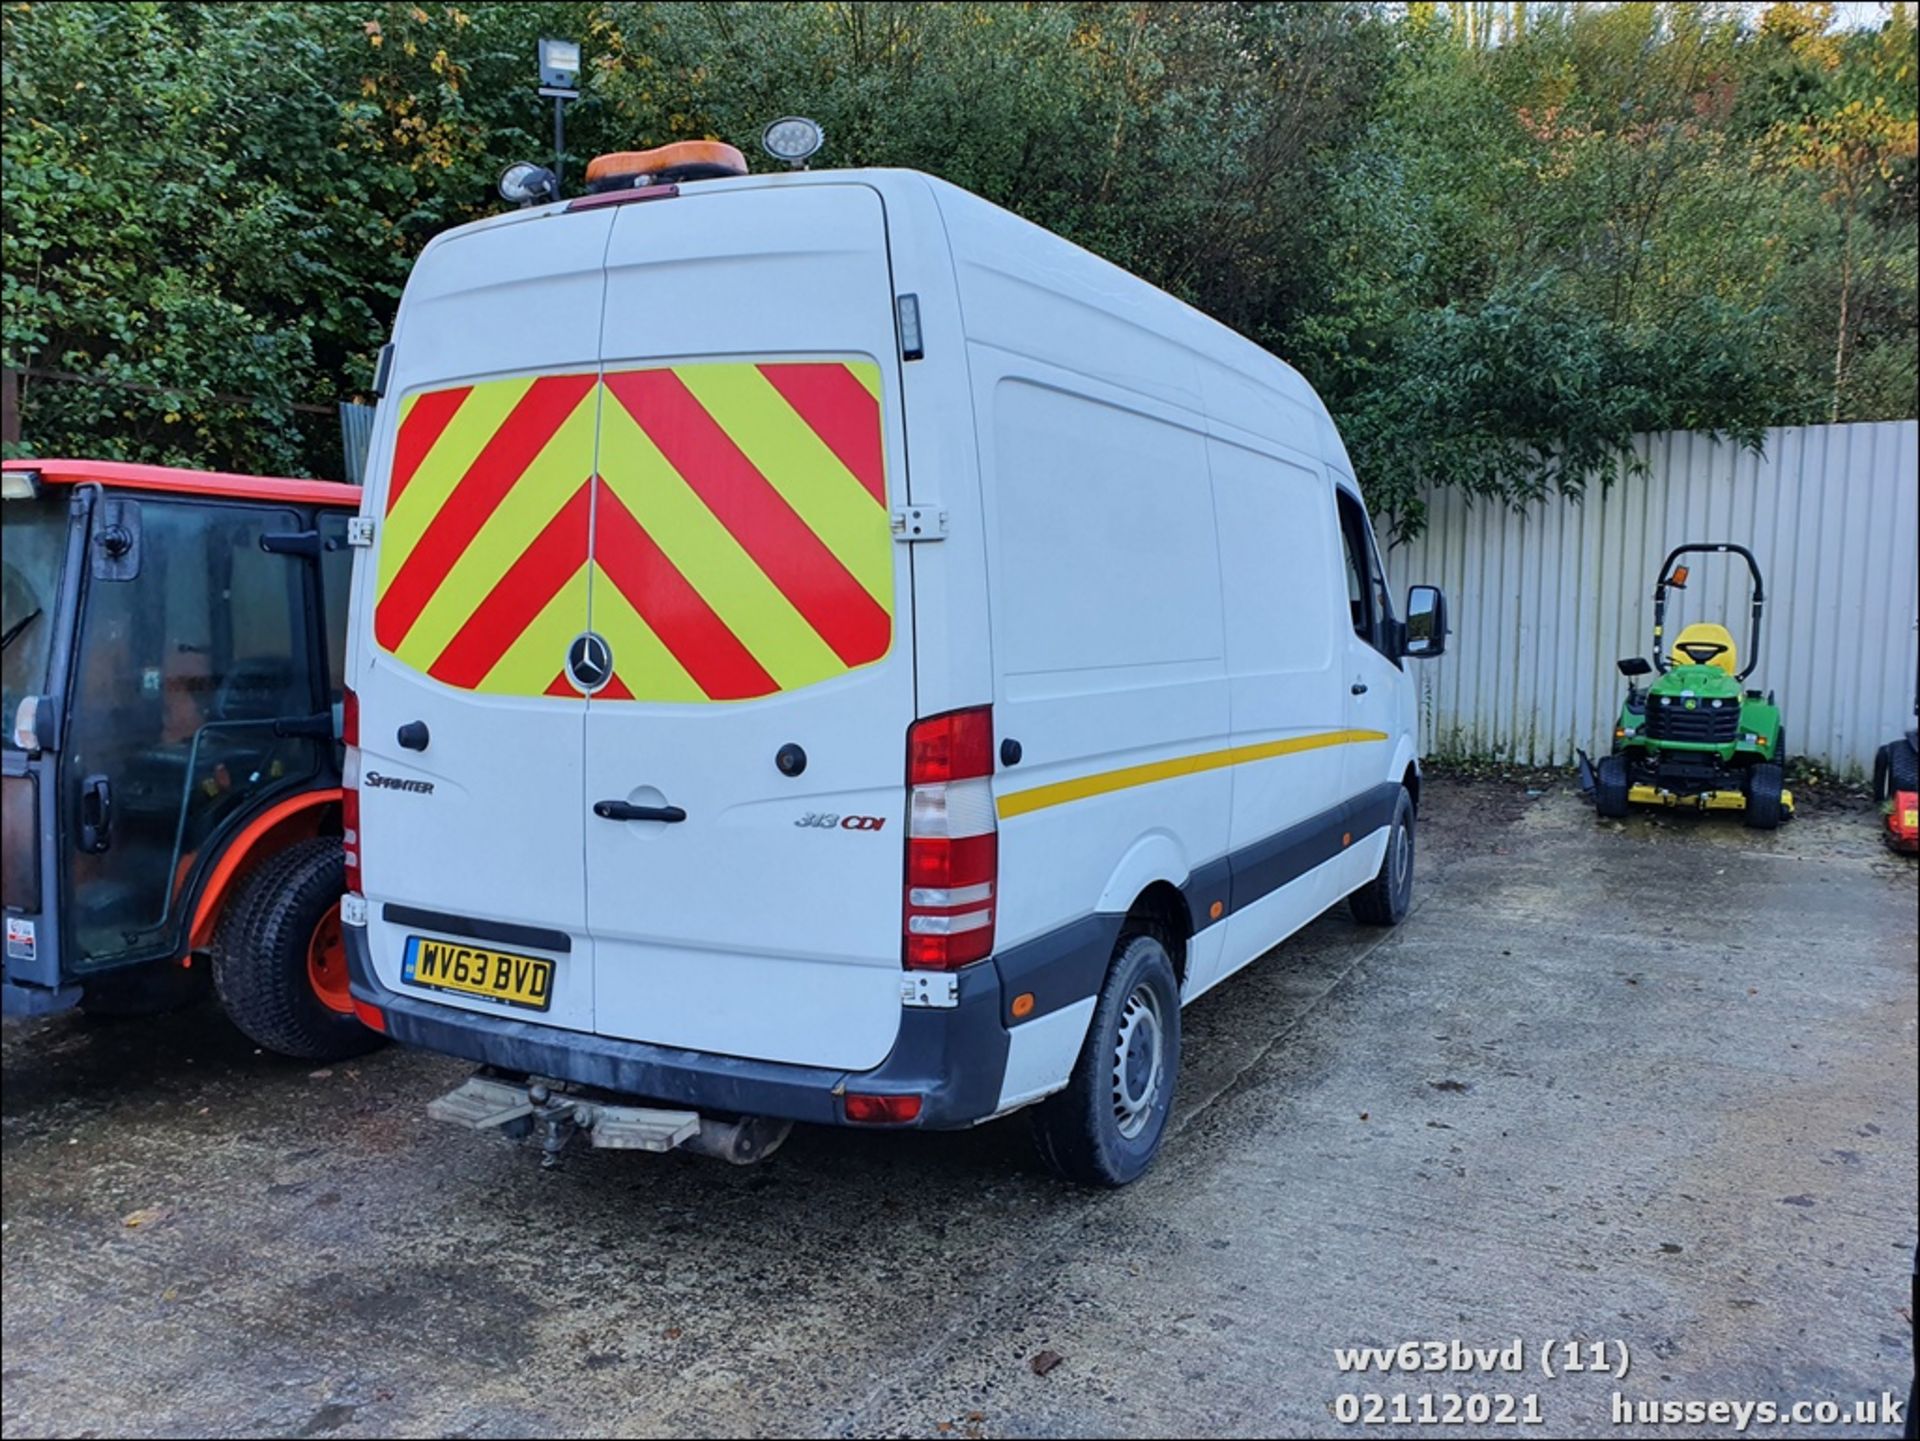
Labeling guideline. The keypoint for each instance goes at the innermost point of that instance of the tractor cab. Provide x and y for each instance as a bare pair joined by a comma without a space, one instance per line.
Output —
1696,735
173,654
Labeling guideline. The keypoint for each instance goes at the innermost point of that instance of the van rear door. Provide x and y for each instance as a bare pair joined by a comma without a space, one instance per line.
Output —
470,736
744,757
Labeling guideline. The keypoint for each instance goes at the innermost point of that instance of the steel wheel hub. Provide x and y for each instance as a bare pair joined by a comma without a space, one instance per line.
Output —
1138,1058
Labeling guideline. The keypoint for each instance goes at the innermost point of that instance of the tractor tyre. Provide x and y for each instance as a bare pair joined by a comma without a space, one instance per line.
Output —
279,963
1764,784
1883,774
1610,786
1903,767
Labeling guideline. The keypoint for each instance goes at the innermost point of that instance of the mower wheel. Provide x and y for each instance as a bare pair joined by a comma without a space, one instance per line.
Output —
278,961
1764,784
1610,786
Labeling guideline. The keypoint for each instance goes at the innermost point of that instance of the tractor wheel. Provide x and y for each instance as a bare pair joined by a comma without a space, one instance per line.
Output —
1764,784
1903,767
1883,774
1610,786
279,964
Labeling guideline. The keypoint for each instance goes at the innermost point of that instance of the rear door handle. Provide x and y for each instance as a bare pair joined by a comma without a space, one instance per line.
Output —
96,814
622,811
1358,687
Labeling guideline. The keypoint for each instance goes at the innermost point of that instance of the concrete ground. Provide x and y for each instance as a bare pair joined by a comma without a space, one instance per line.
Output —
1650,1083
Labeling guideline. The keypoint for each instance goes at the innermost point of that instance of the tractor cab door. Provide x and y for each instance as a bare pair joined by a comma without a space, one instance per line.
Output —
194,697
44,532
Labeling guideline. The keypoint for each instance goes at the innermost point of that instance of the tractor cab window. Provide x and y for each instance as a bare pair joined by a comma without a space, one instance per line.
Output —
185,672
35,533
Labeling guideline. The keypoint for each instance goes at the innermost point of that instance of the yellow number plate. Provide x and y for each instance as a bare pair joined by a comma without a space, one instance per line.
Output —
476,971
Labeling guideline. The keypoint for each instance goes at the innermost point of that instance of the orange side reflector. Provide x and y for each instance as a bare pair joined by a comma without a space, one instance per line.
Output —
1347,839
1216,908
1022,1005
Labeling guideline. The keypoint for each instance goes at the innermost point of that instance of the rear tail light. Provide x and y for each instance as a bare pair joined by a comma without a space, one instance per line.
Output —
882,1110
953,848
350,794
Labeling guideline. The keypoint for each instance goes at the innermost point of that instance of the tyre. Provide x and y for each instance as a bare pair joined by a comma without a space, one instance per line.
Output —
1385,900
1764,784
1883,775
1903,767
1610,786
279,964
1104,1129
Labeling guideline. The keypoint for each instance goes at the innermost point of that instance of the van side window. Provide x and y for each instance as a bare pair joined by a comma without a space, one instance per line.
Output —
1353,540
1366,580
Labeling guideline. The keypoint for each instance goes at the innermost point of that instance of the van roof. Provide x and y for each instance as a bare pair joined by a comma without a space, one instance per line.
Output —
1166,314
181,481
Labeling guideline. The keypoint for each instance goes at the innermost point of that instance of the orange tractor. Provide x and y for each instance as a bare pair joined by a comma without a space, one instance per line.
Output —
173,645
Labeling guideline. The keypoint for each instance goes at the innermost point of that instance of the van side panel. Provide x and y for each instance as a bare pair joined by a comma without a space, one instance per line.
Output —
1278,554
1108,639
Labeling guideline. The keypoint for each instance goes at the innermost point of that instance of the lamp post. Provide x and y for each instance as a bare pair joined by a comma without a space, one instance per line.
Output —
559,78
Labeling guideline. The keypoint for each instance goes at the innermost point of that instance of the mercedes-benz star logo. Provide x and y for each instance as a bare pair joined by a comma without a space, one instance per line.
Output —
589,662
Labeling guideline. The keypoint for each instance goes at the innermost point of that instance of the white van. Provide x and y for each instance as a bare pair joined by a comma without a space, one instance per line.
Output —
829,650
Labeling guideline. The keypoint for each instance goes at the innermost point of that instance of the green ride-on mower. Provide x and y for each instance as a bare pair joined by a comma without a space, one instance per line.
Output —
1696,736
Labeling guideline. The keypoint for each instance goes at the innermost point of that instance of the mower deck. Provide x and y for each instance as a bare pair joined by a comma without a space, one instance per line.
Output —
1645,795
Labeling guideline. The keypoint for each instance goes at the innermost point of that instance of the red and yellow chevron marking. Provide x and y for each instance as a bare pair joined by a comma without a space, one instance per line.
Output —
734,542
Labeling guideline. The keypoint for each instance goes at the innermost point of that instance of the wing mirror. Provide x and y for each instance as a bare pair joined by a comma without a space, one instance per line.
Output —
1635,665
1425,630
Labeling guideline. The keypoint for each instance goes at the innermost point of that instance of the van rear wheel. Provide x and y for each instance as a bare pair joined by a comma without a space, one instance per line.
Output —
1105,1128
279,966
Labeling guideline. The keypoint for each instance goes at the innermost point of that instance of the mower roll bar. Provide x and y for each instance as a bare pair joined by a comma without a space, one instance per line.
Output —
1666,578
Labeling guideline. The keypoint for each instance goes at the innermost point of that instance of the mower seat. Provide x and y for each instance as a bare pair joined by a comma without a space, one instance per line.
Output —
1706,644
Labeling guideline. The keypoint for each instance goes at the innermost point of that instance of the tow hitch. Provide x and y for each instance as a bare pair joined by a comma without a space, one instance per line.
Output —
519,1109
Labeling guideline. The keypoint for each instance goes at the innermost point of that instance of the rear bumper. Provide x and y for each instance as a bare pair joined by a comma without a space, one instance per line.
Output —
955,1058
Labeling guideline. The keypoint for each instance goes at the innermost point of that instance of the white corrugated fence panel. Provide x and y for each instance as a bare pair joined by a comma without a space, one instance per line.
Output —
1544,601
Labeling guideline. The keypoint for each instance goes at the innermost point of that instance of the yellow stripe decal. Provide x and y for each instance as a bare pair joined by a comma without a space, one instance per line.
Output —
1039,798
